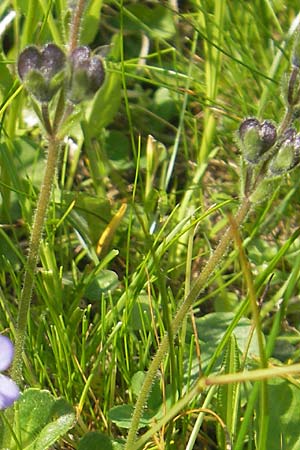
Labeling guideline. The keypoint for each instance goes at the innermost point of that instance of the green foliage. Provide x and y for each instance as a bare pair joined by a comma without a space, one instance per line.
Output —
90,22
150,169
105,282
98,441
228,395
157,21
122,415
214,330
284,398
42,420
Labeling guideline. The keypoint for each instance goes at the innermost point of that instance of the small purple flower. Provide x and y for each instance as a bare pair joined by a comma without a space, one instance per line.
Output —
9,391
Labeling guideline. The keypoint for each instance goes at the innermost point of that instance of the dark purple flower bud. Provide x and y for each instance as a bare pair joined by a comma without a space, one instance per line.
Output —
86,74
42,71
256,139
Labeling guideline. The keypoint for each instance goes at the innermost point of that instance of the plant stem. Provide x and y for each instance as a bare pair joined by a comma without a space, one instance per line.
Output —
36,233
201,281
46,119
75,26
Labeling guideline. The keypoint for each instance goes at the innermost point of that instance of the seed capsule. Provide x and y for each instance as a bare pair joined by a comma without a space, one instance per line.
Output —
86,74
256,139
42,71
288,155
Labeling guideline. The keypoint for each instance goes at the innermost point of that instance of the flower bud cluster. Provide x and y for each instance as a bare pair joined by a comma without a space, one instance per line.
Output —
44,71
259,142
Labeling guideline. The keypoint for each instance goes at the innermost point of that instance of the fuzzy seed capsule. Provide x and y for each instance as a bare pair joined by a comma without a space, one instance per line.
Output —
288,155
42,70
86,74
256,139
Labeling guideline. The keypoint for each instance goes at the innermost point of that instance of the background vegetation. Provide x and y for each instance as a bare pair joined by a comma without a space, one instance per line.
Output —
147,178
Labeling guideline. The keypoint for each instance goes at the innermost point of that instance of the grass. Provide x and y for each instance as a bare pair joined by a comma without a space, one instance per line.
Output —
111,277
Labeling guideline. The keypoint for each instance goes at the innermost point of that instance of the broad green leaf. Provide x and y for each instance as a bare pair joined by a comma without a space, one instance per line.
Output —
140,316
164,105
90,22
137,382
155,399
95,441
121,415
157,21
212,327
283,409
106,281
117,150
154,410
42,419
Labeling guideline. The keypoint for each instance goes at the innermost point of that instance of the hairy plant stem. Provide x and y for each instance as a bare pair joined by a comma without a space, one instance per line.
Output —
75,25
36,234
200,283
